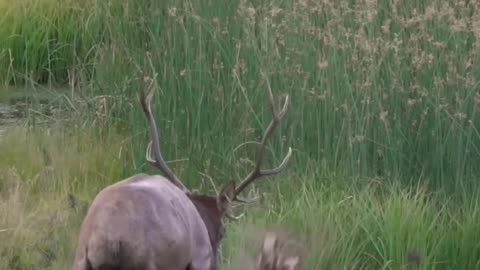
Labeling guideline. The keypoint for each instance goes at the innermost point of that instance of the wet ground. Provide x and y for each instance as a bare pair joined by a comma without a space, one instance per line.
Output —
10,115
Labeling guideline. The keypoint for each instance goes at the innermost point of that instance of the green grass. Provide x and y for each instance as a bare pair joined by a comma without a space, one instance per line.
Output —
374,227
383,120
378,90
49,177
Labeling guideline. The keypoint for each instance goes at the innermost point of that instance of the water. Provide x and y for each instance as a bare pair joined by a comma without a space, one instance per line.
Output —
10,115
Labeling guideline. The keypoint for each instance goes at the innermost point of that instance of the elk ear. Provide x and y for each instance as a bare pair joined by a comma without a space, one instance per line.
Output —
226,196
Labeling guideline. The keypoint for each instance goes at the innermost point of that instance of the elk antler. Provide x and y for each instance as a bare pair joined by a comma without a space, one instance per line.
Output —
257,171
154,153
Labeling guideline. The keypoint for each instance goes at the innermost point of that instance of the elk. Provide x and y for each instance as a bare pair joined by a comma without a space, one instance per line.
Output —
153,222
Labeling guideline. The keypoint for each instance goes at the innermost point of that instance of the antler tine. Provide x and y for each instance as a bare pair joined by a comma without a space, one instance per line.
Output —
257,172
153,152
247,201
235,218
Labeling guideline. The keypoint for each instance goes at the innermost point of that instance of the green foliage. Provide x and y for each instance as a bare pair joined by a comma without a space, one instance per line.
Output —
378,89
376,226
51,175
382,92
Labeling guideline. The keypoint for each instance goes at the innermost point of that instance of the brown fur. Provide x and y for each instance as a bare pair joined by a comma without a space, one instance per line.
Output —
145,222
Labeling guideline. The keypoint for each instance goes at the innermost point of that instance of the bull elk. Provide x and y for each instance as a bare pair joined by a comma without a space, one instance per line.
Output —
153,222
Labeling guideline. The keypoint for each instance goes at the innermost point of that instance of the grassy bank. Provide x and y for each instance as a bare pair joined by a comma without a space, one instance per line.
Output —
49,178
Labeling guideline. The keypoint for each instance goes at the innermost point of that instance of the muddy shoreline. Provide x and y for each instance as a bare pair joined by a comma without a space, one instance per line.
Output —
10,115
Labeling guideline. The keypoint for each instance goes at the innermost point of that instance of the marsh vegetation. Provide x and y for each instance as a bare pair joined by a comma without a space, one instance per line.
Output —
383,121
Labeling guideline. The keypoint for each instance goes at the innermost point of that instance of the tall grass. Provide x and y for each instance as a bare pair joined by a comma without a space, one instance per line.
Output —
374,227
385,99
44,40
387,89
49,177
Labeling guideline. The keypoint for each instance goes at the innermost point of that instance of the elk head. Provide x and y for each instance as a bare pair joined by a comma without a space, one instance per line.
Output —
213,209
